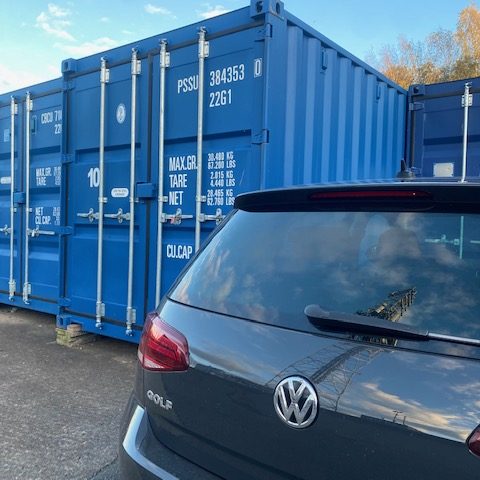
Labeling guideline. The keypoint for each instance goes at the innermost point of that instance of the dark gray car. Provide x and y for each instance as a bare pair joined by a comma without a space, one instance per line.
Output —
321,333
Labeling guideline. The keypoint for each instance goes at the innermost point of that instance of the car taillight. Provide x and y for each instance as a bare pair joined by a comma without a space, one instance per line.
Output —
370,194
162,347
473,442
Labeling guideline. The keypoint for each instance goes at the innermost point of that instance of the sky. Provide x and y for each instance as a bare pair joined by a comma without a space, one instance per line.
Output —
36,35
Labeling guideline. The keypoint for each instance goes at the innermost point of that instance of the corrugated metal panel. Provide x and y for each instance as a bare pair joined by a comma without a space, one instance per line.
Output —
331,117
36,196
436,127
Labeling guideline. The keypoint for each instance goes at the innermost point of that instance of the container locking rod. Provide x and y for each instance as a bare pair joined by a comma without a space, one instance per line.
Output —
131,314
467,102
164,64
100,306
12,284
27,287
203,52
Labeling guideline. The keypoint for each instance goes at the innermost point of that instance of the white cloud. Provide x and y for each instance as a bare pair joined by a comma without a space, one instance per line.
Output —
54,22
88,48
58,12
212,11
105,20
127,32
154,10
14,79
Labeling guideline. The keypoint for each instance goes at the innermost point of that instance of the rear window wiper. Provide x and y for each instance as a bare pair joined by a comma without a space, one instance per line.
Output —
375,326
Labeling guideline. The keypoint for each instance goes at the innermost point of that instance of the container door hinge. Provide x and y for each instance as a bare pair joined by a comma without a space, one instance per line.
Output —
414,106
262,137
470,100
266,31
67,158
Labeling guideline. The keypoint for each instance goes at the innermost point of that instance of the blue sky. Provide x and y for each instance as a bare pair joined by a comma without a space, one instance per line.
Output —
35,35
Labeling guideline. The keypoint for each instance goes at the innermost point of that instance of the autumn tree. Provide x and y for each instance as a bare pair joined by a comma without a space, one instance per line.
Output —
443,56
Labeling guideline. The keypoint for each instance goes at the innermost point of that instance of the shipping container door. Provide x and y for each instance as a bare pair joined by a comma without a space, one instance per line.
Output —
42,181
10,151
104,260
228,135
30,250
437,127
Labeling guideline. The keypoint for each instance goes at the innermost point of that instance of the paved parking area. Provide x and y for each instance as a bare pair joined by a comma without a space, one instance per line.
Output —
60,407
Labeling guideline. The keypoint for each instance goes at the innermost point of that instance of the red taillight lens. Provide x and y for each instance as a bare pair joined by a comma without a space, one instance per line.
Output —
370,194
162,347
474,442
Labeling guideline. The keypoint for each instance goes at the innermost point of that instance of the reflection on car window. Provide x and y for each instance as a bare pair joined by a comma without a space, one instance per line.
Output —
268,266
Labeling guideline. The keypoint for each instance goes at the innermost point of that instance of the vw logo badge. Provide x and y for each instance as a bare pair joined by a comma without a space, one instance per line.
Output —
296,402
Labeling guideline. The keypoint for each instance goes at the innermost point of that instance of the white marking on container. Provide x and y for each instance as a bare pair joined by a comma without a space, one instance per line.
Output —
119,192
443,169
121,113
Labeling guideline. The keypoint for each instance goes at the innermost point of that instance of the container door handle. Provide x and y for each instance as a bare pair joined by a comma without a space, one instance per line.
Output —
217,218
176,218
120,216
36,232
91,215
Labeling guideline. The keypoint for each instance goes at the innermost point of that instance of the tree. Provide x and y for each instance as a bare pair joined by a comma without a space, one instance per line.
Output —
443,56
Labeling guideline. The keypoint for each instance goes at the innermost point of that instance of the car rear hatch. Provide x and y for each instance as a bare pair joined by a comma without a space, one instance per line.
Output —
328,333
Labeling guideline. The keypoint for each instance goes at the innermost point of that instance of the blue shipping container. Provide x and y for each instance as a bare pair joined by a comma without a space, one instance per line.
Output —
157,139
436,129
30,179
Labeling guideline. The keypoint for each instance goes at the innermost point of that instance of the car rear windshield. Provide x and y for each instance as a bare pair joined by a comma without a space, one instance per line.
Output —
268,266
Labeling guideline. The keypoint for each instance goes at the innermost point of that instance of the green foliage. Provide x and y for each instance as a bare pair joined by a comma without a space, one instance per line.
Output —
443,56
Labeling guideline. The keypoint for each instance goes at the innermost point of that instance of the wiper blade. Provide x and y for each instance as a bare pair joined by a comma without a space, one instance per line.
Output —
361,324
375,326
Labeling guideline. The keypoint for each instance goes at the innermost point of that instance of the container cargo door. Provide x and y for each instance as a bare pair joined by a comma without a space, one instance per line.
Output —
210,140
10,125
42,182
104,258
436,129
30,183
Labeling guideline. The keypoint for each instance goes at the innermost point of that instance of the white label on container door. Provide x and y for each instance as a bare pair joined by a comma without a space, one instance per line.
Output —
119,192
6,135
5,180
443,169
121,113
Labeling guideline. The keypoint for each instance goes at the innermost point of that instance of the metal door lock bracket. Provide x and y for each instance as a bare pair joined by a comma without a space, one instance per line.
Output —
176,218
120,216
36,232
470,100
218,217
12,286
91,215
6,230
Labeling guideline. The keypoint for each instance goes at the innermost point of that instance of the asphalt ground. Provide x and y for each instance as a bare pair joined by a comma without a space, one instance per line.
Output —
60,407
